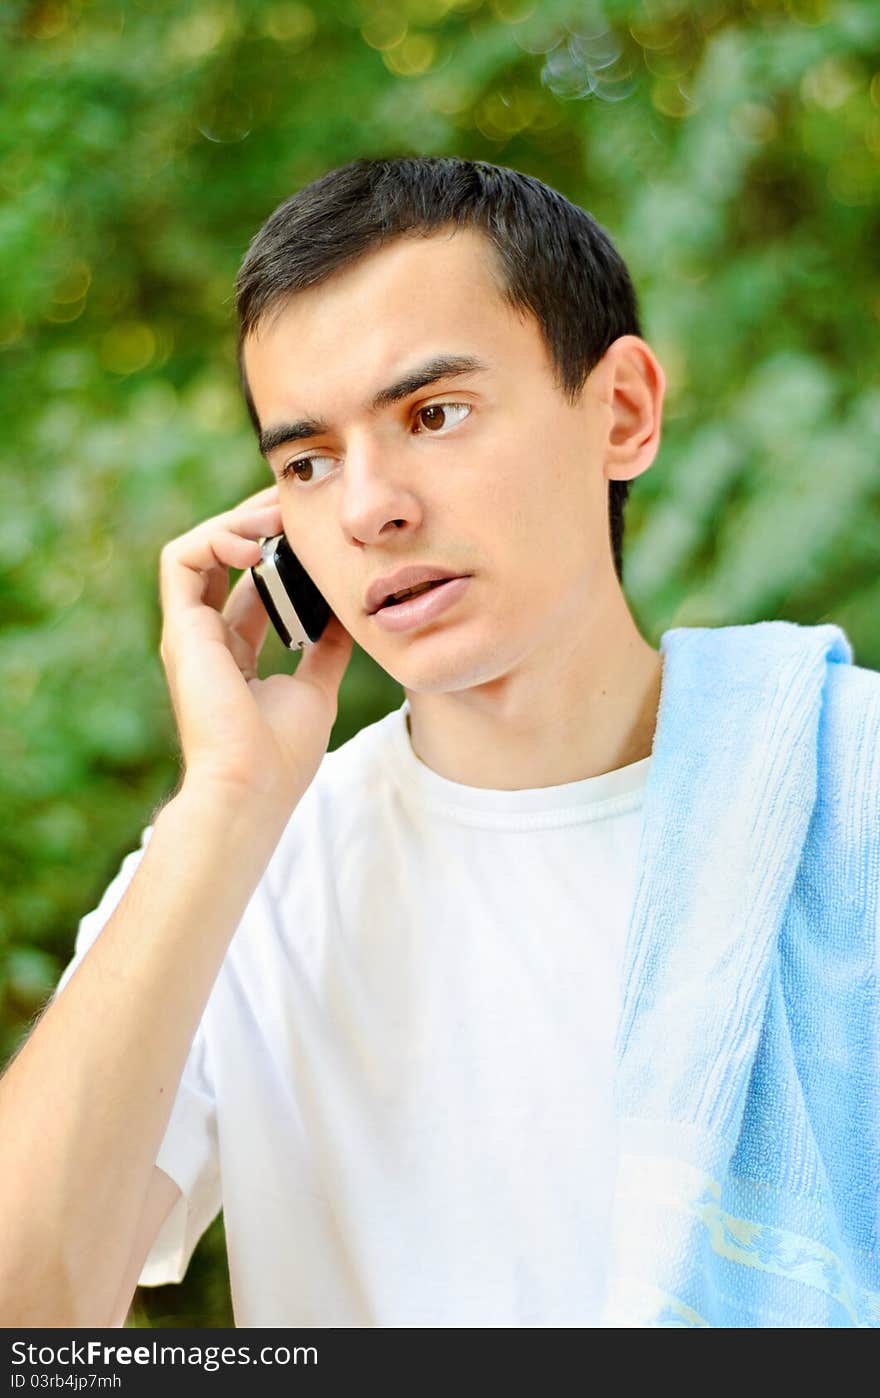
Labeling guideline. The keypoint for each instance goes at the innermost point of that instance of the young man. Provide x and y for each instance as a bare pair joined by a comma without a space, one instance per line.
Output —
550,999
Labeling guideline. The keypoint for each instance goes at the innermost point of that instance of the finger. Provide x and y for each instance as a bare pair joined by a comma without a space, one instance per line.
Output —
325,662
245,614
196,550
242,653
254,520
190,573
252,528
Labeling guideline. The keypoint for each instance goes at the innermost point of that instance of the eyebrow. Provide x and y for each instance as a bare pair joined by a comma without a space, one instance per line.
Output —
441,366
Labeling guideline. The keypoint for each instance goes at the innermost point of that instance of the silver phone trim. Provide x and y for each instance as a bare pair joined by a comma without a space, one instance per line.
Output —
280,598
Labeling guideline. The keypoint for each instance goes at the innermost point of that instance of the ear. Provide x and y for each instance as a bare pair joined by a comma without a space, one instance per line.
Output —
631,383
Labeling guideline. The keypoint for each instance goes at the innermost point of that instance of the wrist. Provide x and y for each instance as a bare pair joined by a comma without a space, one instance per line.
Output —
222,808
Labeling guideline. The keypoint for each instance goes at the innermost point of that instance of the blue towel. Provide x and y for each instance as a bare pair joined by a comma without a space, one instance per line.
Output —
747,1089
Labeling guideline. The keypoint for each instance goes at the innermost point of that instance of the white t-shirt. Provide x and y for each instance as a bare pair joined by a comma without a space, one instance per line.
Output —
400,1088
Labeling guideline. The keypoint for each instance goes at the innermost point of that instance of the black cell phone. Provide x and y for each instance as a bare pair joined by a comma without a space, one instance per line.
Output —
297,610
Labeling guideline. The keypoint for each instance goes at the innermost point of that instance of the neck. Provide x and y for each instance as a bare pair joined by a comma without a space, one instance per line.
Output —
517,731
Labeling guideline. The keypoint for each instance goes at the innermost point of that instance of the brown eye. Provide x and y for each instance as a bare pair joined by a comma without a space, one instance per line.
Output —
302,469
436,416
433,417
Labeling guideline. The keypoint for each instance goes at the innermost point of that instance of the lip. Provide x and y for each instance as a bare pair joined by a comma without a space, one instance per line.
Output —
404,616
410,576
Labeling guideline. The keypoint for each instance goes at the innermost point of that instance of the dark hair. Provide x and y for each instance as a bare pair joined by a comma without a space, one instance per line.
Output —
556,261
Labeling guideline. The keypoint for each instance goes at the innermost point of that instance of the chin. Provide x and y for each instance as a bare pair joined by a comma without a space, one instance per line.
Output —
445,674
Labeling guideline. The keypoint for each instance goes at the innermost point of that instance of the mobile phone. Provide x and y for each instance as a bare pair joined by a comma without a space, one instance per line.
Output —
297,610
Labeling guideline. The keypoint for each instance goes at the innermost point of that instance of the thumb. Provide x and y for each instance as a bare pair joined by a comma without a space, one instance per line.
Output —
325,662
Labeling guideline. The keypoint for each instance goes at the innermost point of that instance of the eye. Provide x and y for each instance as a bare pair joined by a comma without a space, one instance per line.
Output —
434,417
437,414
291,471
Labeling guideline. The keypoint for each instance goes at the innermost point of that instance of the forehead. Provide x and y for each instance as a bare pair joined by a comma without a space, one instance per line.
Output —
414,297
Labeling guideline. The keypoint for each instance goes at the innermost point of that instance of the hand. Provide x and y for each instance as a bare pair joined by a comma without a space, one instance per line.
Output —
239,733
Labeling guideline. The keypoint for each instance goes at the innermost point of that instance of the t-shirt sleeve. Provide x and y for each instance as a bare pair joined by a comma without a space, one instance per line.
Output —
189,1150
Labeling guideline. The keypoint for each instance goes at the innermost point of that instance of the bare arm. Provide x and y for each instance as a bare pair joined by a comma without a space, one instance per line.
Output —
162,1195
85,1103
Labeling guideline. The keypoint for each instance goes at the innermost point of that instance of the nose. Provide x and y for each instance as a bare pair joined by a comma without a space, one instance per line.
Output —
377,492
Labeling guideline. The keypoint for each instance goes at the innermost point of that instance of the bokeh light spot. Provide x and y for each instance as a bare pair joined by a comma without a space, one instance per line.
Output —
128,347
289,24
513,11
411,57
384,29
830,83
75,283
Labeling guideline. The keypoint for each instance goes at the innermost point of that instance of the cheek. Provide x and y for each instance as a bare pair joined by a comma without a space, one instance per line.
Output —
301,531
524,505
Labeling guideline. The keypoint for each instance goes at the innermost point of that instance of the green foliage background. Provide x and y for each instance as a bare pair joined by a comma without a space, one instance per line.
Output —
731,150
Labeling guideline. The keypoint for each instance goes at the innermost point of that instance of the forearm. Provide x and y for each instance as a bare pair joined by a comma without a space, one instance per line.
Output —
85,1103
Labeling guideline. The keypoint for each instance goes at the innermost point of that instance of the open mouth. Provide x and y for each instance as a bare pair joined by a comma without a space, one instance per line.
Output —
408,592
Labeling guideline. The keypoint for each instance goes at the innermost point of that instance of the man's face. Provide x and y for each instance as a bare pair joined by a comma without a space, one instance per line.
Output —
491,473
